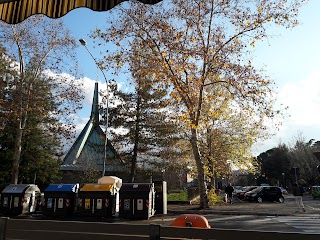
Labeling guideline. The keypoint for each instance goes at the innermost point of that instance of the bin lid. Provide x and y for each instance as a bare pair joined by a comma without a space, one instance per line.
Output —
18,188
97,188
141,187
62,188
111,180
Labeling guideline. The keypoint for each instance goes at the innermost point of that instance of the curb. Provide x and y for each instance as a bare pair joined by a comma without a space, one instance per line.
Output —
177,212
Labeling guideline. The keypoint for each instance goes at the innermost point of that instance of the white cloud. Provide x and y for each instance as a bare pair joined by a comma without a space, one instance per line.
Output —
88,88
88,85
303,100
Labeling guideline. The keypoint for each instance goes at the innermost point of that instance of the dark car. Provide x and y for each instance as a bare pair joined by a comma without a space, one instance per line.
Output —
243,190
265,193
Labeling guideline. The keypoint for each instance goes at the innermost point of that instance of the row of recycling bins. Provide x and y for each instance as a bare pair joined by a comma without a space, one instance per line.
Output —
131,200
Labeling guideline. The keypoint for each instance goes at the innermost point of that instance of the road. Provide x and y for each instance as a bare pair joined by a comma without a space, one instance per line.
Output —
307,224
266,216
288,220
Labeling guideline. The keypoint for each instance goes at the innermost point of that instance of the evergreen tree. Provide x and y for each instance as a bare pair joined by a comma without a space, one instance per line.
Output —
273,163
38,96
6,128
41,145
141,126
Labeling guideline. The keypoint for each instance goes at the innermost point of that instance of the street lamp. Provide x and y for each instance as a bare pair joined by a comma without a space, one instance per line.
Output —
84,43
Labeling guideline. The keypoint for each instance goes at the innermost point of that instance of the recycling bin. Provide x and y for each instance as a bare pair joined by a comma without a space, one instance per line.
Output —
60,199
17,199
97,200
137,200
117,182
160,197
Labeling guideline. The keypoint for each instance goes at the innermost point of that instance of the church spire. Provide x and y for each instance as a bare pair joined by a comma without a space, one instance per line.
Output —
95,105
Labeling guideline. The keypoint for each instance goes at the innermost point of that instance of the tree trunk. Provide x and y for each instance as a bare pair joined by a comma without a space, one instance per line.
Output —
17,147
210,163
133,163
213,176
201,177
16,155
136,141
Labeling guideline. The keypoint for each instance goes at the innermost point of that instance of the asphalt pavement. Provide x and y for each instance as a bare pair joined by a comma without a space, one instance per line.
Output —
288,208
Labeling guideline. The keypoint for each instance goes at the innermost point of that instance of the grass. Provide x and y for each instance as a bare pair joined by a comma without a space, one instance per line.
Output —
181,196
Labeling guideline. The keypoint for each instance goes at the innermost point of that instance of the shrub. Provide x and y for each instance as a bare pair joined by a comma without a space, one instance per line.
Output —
214,198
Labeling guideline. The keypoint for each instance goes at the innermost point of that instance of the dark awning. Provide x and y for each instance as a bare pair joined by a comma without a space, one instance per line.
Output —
15,11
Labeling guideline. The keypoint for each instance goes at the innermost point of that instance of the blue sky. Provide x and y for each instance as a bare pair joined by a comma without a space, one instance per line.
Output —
291,59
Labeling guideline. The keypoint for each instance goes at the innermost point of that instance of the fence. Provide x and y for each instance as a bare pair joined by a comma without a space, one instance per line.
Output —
13,229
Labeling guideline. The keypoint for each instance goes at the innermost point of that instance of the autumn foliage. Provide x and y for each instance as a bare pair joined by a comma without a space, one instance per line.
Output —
200,51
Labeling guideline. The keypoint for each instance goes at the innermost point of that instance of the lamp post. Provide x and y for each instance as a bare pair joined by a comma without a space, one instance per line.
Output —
84,43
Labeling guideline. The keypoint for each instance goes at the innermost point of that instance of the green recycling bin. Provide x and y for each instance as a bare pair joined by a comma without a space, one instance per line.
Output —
137,200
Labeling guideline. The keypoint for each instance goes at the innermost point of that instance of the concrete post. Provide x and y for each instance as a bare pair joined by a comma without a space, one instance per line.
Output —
3,224
154,232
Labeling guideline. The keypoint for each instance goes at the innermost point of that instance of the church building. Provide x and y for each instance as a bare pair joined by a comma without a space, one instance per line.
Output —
91,156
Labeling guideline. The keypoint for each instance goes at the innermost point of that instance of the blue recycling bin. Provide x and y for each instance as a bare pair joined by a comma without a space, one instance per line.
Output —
60,199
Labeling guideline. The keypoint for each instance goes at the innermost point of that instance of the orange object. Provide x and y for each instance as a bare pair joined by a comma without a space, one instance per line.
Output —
191,220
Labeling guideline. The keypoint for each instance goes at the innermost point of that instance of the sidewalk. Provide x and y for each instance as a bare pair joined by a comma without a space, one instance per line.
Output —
288,208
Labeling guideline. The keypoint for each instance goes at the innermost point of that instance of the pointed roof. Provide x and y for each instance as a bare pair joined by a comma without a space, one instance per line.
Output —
88,151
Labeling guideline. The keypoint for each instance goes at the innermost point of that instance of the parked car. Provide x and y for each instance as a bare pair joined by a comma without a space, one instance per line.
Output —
315,192
243,190
284,191
265,193
236,189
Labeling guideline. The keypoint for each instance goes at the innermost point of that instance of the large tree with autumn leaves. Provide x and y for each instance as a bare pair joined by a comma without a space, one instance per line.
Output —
200,50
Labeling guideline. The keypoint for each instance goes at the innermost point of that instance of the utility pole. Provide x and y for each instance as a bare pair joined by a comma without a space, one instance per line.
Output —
84,43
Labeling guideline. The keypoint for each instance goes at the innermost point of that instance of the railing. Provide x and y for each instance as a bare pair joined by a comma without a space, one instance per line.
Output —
11,229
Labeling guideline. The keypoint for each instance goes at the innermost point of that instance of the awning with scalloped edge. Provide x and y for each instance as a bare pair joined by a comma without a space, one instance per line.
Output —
15,11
